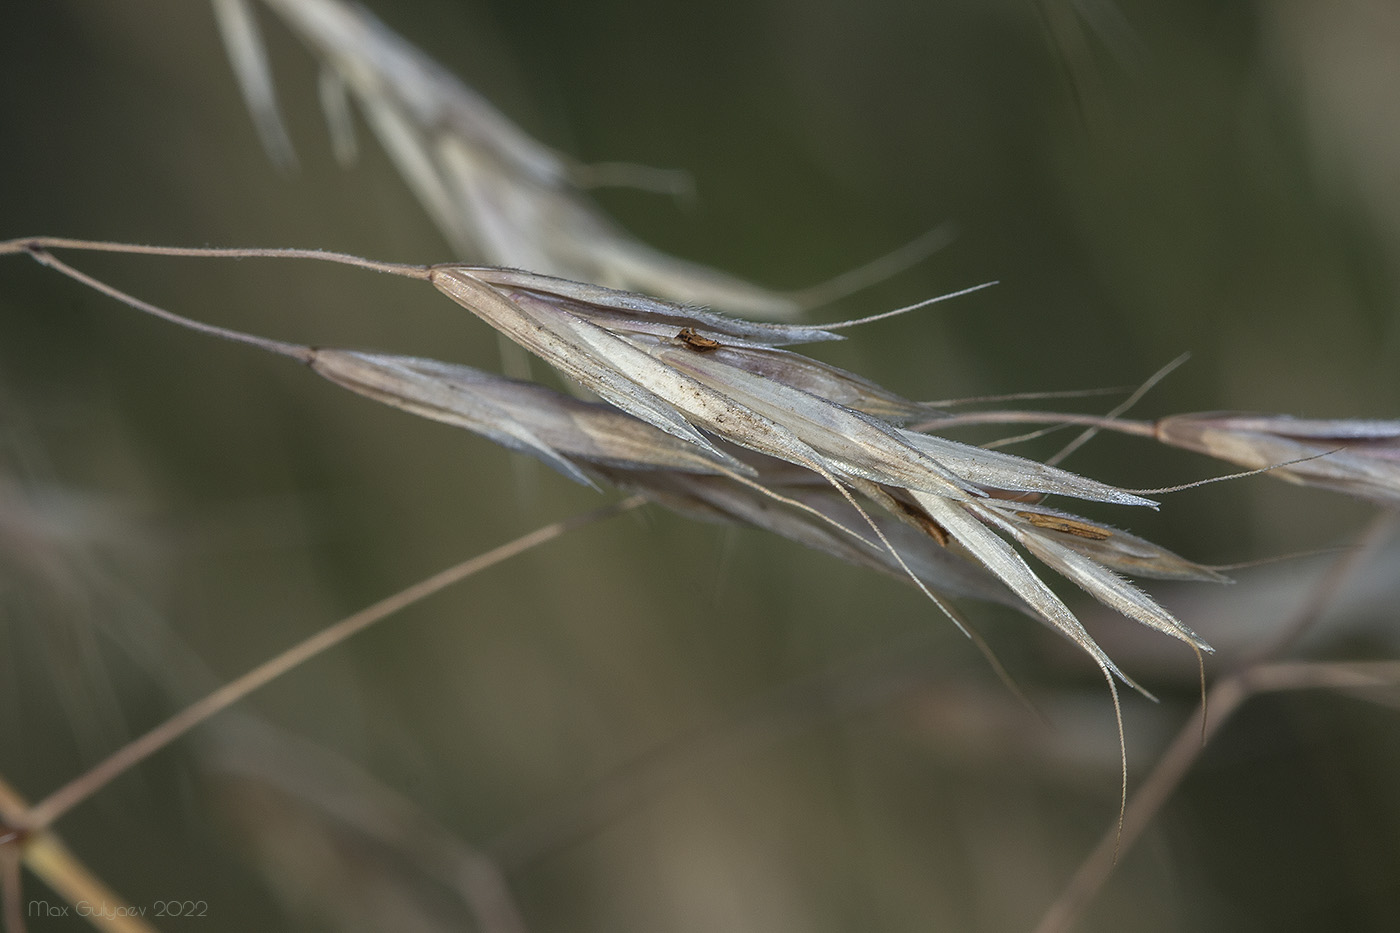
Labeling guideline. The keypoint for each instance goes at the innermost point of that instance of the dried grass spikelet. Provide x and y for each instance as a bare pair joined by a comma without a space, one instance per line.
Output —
586,440
1357,457
499,196
581,438
704,379
711,384
712,416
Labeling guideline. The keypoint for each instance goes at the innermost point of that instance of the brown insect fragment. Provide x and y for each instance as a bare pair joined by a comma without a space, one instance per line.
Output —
694,341
1007,495
1067,525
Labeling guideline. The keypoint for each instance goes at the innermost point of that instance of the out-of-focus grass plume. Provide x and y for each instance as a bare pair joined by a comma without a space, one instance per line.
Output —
495,193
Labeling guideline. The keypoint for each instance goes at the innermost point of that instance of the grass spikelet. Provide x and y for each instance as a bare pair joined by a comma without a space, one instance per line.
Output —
702,399
1356,457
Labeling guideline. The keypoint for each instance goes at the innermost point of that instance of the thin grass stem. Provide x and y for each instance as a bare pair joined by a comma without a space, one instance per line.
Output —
35,244
10,892
84,786
1122,407
47,857
1225,698
296,351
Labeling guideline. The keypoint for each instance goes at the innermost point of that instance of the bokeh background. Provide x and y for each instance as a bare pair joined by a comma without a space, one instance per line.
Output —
655,724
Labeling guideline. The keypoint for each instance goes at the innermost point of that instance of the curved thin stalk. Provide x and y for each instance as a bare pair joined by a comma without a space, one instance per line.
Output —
39,244
46,811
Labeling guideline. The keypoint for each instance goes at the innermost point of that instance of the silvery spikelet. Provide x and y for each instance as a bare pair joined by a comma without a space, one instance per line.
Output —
1357,457
711,381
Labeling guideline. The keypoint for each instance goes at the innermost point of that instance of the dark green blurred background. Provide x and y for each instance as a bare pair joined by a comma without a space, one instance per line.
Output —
1143,179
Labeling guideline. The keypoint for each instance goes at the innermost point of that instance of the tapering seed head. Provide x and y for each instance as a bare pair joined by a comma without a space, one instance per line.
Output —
713,381
578,438
1357,457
